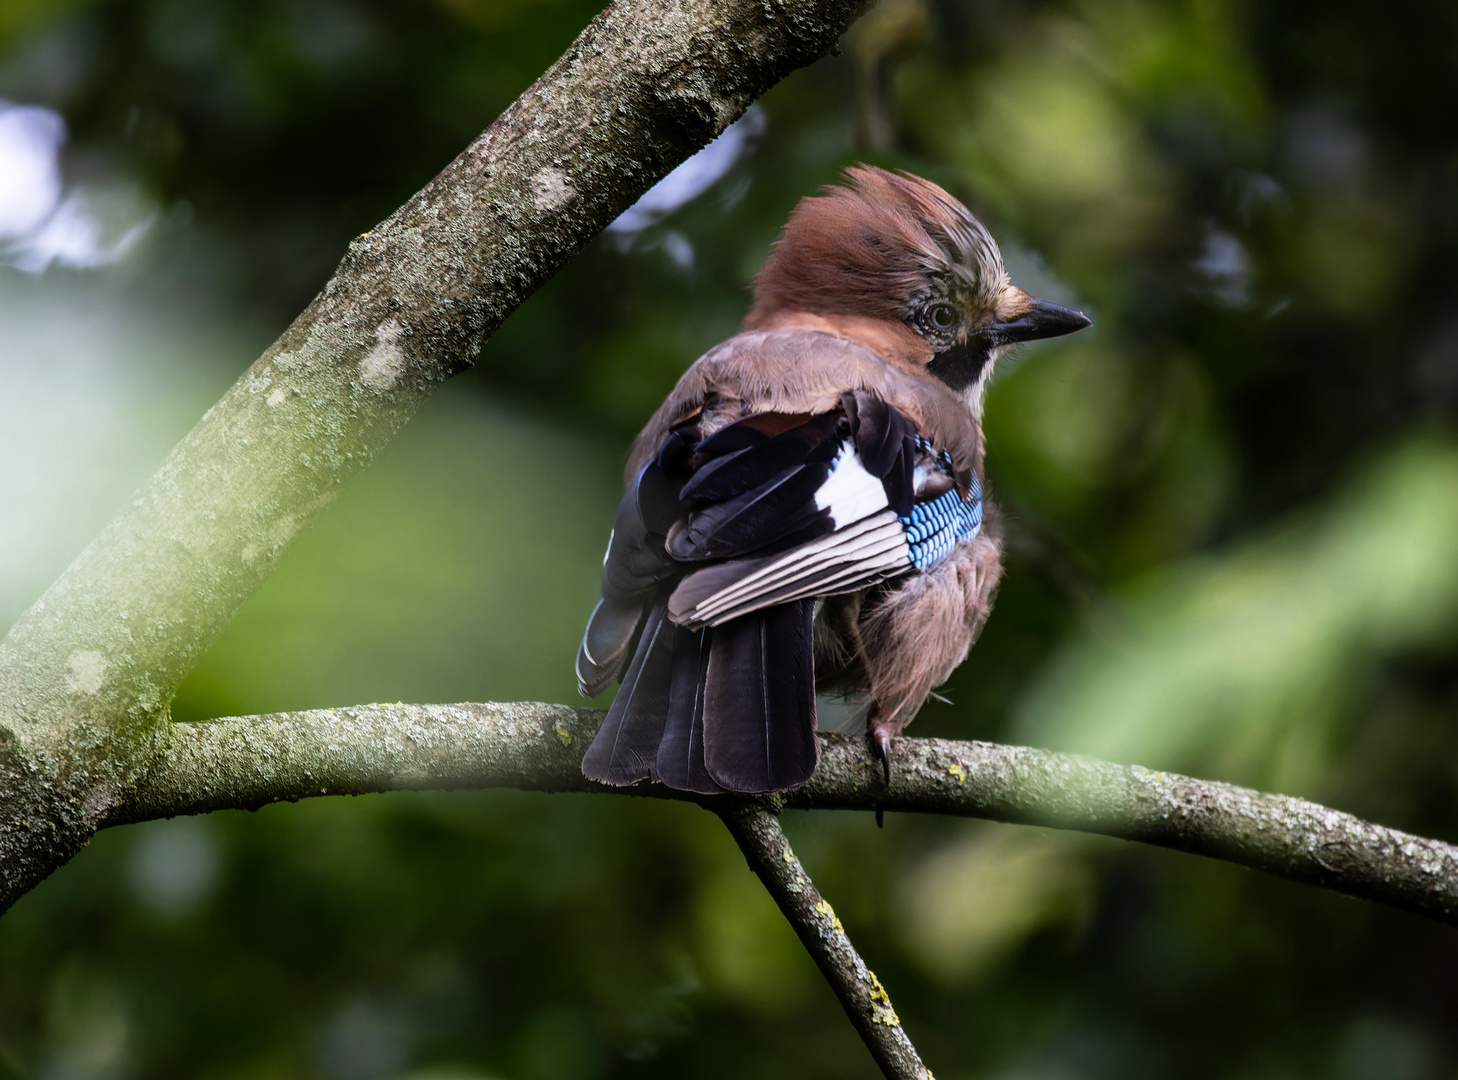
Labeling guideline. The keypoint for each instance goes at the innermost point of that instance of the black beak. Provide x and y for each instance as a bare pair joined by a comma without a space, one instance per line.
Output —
962,364
1045,320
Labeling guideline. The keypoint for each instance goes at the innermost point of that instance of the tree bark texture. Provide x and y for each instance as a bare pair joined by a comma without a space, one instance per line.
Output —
757,832
250,761
86,674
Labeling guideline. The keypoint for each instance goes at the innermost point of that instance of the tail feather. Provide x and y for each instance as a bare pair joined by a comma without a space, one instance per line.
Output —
632,570
612,631
759,700
626,747
681,753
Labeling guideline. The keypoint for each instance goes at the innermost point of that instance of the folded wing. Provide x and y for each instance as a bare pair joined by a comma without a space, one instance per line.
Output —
845,517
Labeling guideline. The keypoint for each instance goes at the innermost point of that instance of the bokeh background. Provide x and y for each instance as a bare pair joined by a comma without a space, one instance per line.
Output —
1231,515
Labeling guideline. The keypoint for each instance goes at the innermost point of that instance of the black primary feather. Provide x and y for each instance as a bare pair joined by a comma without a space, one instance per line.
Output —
607,644
759,700
783,504
625,750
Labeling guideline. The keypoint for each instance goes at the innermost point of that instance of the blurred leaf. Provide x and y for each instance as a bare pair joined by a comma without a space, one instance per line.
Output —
971,902
459,567
1244,663
18,16
749,953
1352,256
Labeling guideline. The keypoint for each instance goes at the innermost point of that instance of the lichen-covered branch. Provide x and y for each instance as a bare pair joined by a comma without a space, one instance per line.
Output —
87,673
250,761
757,832
1288,837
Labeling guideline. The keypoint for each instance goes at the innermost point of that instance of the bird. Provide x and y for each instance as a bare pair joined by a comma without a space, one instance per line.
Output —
806,509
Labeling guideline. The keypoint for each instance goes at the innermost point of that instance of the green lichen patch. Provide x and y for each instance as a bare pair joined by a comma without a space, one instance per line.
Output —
882,1011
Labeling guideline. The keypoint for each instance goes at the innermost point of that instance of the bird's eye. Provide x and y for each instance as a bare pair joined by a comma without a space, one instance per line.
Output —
942,317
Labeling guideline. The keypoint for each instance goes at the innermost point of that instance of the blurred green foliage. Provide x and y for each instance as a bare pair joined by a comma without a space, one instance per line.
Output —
1230,510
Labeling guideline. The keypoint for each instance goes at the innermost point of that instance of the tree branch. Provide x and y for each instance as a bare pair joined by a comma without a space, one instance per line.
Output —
250,761
758,834
87,673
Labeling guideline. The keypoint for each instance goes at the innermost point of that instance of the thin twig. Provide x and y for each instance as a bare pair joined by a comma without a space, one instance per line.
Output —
246,762
757,832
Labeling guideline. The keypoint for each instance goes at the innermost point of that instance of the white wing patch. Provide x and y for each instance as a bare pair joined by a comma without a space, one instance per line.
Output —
868,545
849,492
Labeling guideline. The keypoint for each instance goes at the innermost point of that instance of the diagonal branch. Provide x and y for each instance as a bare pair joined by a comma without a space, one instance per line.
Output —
87,673
757,832
250,761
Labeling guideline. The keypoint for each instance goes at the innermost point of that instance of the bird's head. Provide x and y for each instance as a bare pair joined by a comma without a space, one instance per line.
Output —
898,248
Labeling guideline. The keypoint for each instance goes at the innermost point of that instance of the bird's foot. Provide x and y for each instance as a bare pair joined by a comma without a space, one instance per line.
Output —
881,740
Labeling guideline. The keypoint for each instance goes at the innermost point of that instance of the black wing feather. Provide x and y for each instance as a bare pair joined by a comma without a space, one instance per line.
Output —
612,631
724,475
783,504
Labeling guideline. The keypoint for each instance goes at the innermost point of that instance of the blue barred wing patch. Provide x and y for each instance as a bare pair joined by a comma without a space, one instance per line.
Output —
934,528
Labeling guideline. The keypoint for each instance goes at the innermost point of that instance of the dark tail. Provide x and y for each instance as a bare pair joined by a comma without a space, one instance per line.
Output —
626,746
632,570
731,708
759,700
681,753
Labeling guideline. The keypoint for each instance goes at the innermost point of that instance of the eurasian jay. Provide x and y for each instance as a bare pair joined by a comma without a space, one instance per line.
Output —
806,509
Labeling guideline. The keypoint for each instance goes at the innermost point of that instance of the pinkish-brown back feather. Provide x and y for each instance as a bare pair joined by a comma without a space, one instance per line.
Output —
806,371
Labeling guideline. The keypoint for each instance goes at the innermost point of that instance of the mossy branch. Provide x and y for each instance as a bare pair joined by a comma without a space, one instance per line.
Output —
247,762
250,761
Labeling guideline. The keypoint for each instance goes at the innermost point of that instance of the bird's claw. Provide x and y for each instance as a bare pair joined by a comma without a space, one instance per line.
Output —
882,741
